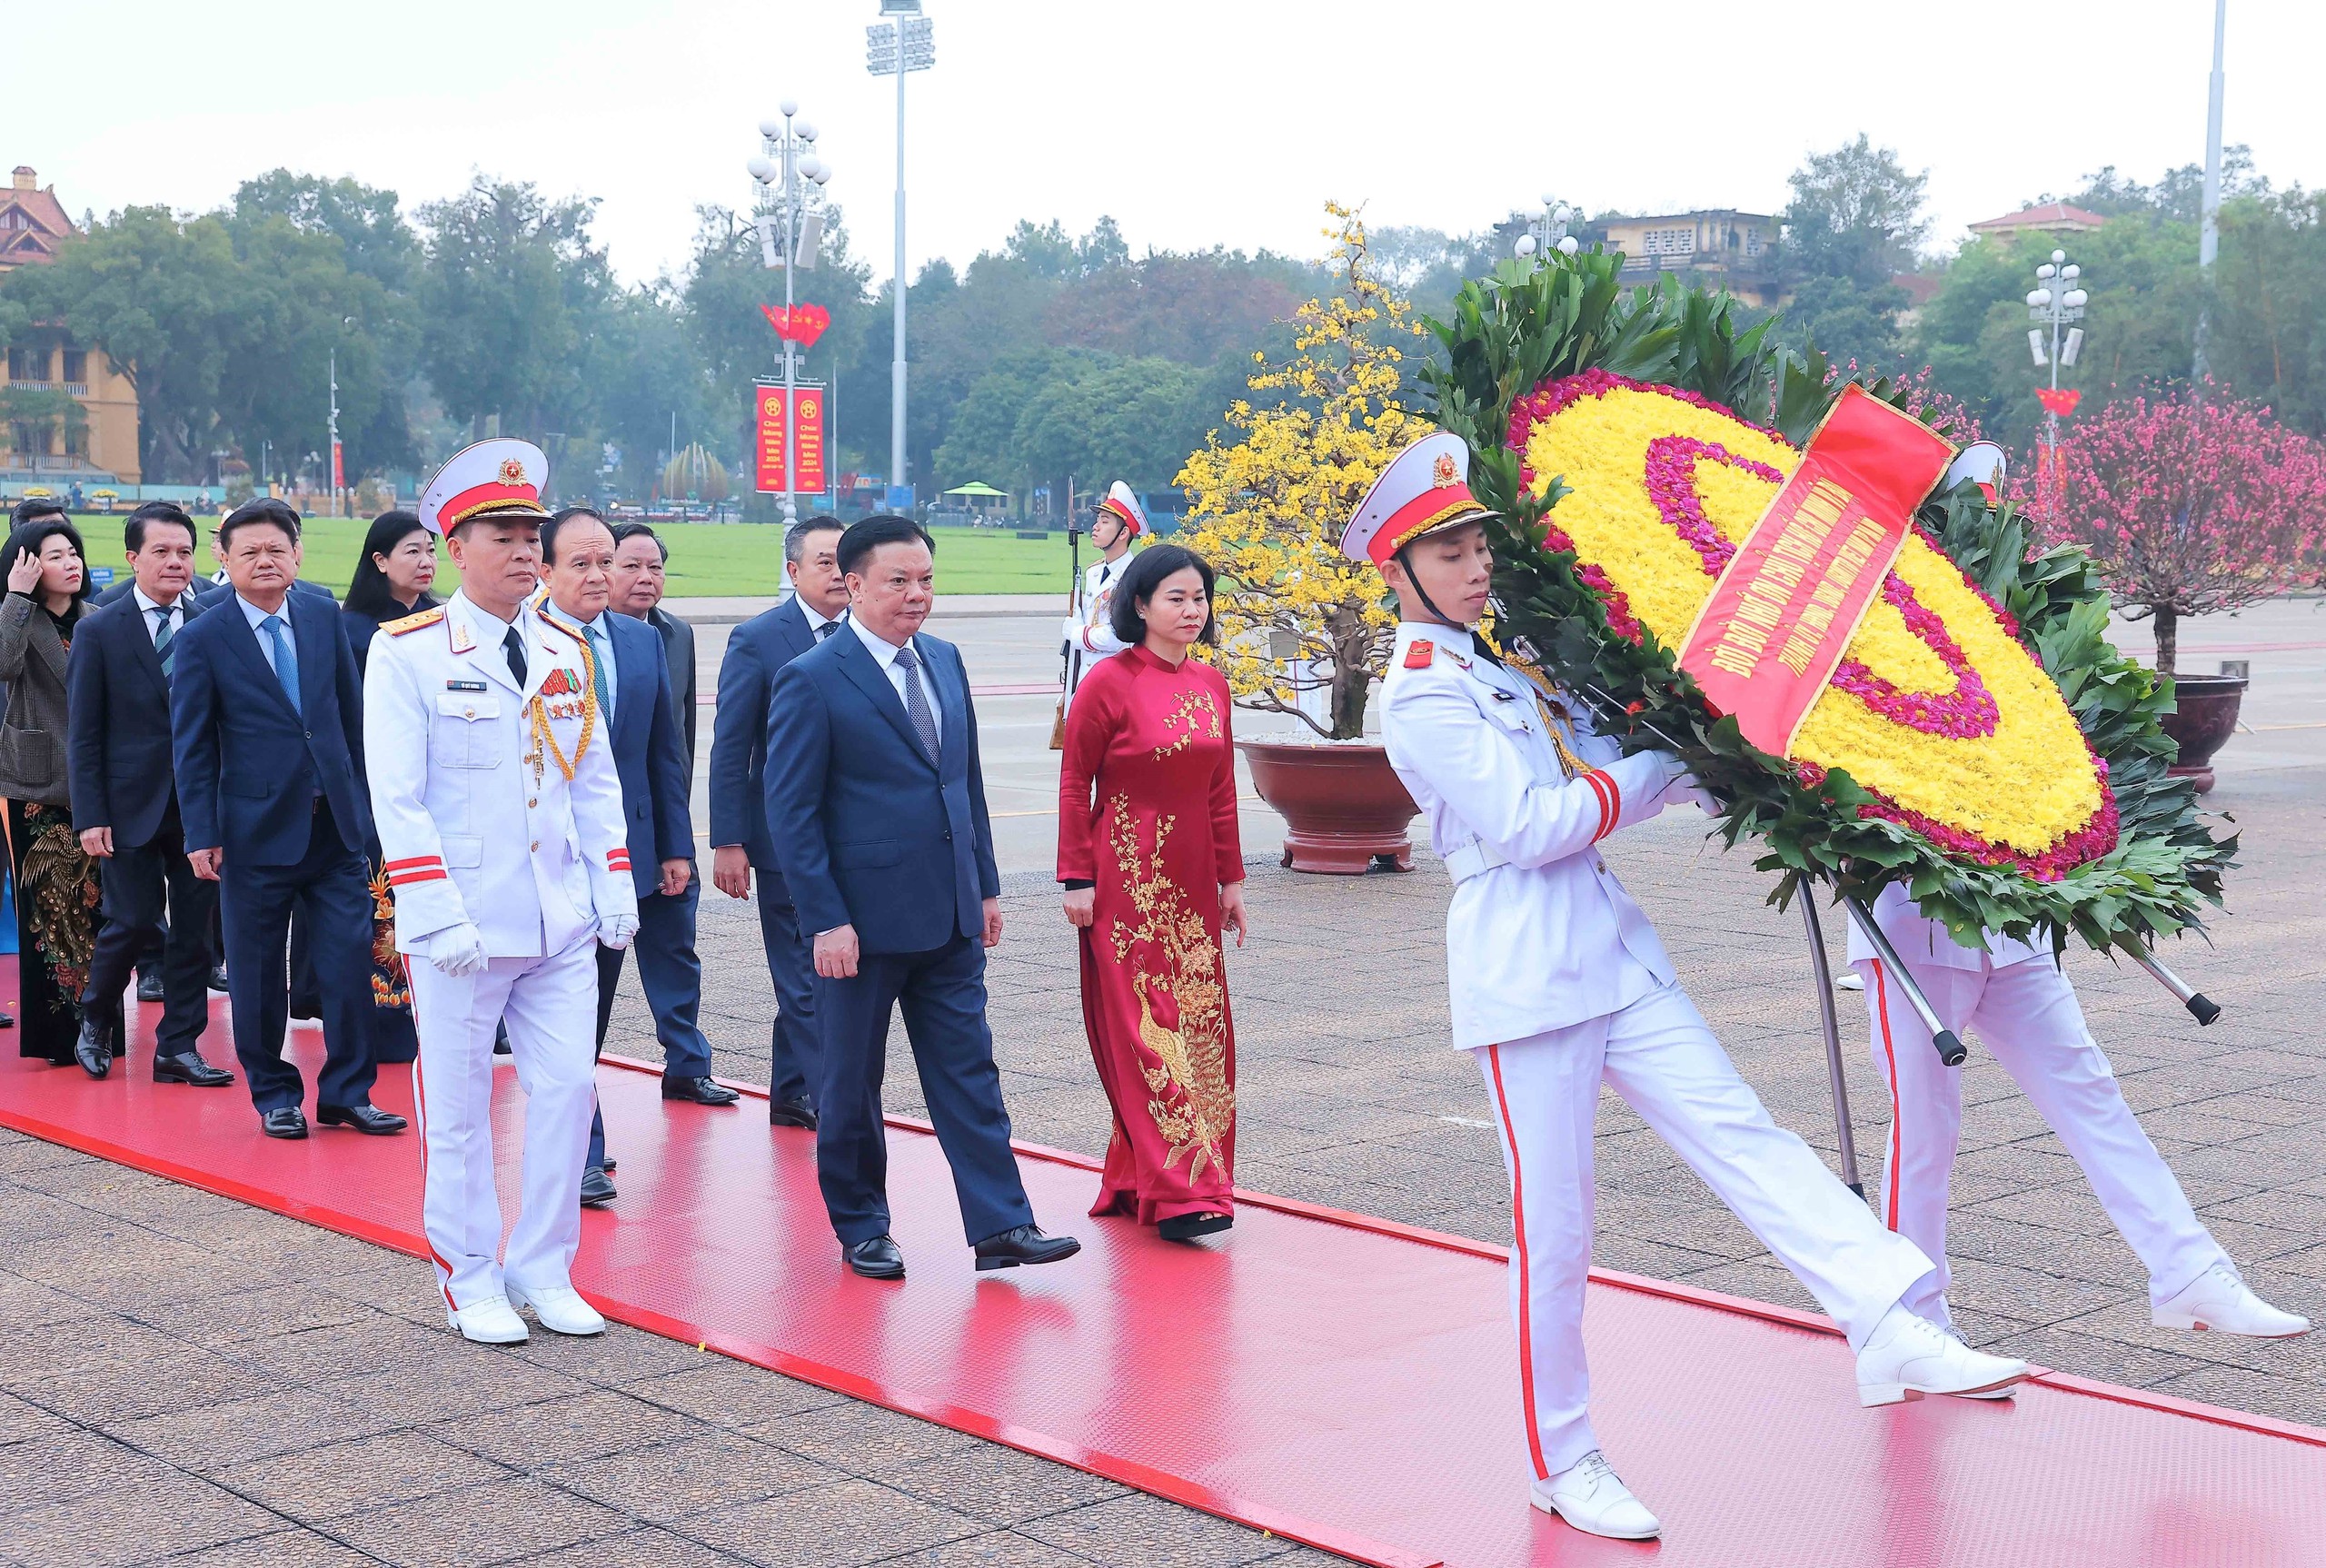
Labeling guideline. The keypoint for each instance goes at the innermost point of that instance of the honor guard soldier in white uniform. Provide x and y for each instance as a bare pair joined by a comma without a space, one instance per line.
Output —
1558,985
1090,632
501,824
2025,1013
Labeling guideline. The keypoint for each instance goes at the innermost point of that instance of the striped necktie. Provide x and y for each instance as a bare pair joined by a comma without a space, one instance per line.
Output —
164,635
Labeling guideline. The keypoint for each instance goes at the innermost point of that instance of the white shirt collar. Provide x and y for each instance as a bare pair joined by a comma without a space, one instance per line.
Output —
817,618
879,648
146,606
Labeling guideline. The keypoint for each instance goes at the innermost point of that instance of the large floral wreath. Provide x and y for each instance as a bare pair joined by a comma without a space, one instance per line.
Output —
1981,742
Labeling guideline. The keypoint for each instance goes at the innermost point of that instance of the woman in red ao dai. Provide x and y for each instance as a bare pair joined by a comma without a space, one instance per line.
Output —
1153,870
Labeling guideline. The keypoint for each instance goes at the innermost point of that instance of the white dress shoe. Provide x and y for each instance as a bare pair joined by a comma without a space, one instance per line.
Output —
1592,1498
1908,1357
2218,1300
488,1322
559,1306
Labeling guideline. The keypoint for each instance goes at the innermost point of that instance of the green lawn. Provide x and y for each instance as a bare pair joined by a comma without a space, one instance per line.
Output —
706,560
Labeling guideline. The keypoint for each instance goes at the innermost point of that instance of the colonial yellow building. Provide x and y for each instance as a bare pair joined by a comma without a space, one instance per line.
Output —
39,443
1724,249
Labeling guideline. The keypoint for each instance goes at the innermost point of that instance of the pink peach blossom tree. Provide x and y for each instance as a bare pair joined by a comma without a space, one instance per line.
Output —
2189,501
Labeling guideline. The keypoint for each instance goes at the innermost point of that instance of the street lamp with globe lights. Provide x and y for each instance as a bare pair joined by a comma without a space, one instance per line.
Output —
1548,232
788,160
2057,299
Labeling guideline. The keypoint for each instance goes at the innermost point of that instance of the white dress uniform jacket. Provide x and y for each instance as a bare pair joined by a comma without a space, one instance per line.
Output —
470,827
1090,633
1540,934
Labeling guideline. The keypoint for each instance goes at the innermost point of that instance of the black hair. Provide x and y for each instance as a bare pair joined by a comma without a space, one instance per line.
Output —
558,520
369,593
133,532
27,537
264,509
35,507
860,539
630,530
795,537
1143,576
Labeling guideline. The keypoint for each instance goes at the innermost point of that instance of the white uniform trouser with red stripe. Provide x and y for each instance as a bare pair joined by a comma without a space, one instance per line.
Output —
551,1008
1660,1056
2026,1017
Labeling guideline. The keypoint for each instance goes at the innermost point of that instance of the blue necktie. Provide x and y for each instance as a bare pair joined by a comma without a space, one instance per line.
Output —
286,663
596,633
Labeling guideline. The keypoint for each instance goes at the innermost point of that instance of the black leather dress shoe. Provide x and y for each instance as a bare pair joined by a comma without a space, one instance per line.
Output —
596,1187
612,1164
363,1118
1024,1245
702,1091
93,1049
877,1258
283,1122
149,987
7,1019
792,1114
1187,1227
217,979
188,1067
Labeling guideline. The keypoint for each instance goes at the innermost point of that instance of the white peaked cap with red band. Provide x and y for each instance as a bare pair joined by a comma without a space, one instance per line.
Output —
501,476
1982,462
1123,502
1425,487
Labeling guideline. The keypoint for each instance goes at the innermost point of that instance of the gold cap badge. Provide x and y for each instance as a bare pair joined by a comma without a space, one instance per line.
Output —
512,472
1442,472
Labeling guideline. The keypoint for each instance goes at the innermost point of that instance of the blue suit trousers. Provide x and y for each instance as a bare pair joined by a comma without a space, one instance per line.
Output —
943,992
792,966
671,972
331,886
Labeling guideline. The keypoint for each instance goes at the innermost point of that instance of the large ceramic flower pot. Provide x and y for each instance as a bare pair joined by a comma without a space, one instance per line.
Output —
2203,717
1343,803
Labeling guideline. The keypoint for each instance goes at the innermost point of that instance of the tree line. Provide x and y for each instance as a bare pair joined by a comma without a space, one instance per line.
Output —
1054,358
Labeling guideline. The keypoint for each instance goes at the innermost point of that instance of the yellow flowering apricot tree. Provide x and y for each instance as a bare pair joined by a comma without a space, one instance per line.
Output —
1296,616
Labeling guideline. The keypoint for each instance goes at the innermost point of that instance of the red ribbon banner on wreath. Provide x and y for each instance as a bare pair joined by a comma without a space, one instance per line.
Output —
1768,640
801,324
2059,401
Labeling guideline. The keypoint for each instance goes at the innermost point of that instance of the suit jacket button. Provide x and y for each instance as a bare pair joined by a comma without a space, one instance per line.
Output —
949,838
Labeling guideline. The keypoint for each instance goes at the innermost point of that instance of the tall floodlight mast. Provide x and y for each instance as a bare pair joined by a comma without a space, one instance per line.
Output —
893,49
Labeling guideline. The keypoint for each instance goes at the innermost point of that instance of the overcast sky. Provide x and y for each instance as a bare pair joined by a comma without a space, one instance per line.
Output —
1193,122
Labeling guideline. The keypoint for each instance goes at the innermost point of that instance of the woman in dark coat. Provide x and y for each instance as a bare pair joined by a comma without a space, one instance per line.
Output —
393,577
45,568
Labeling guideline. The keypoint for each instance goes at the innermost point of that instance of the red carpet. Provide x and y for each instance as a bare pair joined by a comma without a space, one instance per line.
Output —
1338,1380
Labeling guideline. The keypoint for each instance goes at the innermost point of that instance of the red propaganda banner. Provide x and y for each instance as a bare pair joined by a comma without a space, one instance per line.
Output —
808,475
338,468
1767,639
2059,401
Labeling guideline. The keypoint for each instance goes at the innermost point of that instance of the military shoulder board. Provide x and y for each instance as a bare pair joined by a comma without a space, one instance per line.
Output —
413,622
1419,652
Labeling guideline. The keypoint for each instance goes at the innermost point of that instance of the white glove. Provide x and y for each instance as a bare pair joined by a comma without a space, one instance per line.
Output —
1070,631
618,932
455,950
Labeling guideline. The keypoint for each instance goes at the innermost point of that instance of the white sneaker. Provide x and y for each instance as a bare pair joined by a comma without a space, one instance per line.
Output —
559,1306
2217,1299
1909,1356
1592,1498
488,1322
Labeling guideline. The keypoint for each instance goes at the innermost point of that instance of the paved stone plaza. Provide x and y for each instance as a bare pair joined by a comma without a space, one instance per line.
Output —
188,1379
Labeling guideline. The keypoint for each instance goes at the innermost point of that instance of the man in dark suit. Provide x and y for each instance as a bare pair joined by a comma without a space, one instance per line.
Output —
126,804
740,845
640,559
267,718
876,805
634,707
